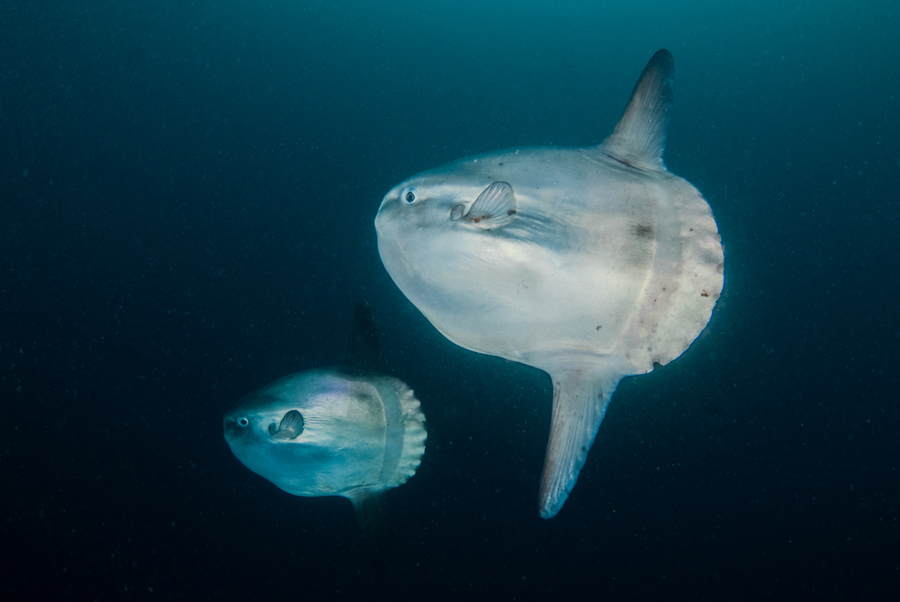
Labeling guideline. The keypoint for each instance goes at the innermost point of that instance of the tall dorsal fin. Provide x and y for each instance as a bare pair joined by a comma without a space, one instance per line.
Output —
640,136
362,353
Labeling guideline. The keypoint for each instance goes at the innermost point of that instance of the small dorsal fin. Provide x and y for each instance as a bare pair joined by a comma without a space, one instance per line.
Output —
363,352
640,136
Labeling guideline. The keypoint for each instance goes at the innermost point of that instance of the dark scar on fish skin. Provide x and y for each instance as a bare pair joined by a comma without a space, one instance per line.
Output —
644,231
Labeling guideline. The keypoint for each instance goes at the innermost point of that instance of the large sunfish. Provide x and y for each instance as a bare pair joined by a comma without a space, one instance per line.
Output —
589,263
348,431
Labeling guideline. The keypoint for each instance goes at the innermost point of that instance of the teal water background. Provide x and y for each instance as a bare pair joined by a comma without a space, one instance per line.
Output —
187,192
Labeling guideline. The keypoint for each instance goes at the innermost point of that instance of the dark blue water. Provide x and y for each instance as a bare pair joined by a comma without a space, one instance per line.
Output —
187,192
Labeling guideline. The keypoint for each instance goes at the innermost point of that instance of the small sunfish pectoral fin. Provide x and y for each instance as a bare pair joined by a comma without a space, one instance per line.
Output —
495,207
640,135
580,399
290,427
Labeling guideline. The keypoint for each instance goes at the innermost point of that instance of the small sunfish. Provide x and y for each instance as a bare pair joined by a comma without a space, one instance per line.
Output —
348,431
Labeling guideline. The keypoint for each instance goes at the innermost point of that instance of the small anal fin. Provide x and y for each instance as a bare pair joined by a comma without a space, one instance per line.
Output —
372,515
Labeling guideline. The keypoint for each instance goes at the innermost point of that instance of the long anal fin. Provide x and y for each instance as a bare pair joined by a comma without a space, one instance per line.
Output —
580,399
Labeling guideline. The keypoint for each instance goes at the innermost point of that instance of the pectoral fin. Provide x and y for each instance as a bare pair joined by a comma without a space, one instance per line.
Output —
495,207
290,427
580,399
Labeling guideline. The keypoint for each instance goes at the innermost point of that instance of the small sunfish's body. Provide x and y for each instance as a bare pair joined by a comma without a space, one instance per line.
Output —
589,263
348,431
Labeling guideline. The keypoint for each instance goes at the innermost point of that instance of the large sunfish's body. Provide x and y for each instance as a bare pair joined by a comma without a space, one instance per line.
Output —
348,431
589,263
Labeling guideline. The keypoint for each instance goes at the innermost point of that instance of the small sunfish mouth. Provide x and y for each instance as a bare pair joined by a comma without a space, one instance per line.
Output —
290,427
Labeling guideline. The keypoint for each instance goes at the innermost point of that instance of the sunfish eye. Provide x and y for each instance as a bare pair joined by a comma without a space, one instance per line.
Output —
410,196
242,421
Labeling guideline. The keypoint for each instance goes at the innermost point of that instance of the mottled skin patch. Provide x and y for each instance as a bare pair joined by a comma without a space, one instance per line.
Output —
643,231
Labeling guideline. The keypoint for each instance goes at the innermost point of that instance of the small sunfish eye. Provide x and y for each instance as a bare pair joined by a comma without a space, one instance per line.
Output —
290,427
410,196
242,421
